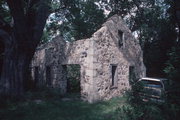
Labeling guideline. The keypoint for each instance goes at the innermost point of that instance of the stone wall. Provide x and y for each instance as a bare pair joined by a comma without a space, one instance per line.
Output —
81,52
105,61
109,53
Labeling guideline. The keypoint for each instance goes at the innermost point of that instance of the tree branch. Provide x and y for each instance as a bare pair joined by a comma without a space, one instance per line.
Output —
58,9
19,28
40,20
17,11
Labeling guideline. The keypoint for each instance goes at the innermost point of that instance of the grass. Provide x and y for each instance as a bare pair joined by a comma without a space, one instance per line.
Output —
59,109
47,104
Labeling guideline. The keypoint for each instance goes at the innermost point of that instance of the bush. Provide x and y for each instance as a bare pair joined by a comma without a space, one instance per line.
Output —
128,112
139,110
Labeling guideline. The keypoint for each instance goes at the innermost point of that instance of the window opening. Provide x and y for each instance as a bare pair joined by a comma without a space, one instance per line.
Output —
114,74
121,38
48,75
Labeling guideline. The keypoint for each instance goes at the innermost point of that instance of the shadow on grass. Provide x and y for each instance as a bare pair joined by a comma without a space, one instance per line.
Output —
57,109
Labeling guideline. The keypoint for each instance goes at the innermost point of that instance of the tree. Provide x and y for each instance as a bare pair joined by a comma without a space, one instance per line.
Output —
21,28
172,68
177,15
84,18
79,20
20,39
154,28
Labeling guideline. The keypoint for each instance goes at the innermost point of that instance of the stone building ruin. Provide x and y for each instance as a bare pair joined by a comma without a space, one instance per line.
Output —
108,61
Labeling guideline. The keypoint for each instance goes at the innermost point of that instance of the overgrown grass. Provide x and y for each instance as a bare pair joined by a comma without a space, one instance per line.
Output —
57,107
47,104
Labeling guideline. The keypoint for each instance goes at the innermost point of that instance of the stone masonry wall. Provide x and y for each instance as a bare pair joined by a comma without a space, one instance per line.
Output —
97,57
58,53
109,53
81,52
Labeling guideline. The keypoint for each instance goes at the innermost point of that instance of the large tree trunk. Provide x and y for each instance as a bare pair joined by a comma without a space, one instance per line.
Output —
16,61
15,70
20,43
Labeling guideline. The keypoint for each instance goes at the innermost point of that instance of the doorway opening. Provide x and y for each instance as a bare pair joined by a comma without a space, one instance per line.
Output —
36,75
132,76
72,75
48,76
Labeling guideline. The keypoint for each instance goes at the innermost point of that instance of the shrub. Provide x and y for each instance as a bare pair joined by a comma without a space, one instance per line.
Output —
139,110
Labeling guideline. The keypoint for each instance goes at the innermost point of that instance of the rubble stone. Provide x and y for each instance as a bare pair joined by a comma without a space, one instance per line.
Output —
105,59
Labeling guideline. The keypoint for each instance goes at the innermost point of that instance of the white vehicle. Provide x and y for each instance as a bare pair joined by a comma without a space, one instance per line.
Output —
154,89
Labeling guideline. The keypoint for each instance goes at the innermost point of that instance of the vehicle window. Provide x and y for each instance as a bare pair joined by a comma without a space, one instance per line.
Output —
155,84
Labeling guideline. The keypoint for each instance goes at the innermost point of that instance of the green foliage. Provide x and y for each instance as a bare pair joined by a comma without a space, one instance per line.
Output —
172,71
73,78
157,36
45,37
173,64
145,112
153,22
78,20
128,113
40,105
133,95
87,19
57,109
4,11
140,110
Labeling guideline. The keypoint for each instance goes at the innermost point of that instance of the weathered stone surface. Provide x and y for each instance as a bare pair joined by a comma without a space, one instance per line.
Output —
96,56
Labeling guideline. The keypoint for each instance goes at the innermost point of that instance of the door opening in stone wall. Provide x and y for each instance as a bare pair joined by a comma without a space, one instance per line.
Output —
48,76
36,75
132,76
114,75
73,78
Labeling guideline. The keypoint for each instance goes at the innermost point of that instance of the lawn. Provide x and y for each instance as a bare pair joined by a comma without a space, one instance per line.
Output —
66,108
